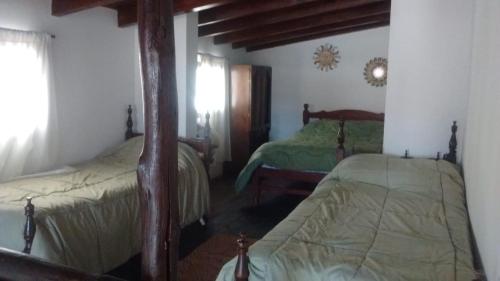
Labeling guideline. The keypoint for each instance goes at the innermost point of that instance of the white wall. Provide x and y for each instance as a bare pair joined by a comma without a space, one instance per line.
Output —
94,73
297,81
429,69
482,152
235,56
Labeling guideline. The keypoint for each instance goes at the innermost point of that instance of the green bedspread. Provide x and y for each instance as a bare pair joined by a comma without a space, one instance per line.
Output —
89,217
374,217
313,148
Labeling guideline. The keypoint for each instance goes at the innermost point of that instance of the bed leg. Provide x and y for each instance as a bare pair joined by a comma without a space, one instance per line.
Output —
241,272
340,151
258,193
29,226
256,180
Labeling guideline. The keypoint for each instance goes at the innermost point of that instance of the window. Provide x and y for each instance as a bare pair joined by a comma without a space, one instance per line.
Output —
210,84
212,97
25,102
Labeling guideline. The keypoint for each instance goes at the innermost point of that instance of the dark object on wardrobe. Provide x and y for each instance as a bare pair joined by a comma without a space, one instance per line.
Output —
250,111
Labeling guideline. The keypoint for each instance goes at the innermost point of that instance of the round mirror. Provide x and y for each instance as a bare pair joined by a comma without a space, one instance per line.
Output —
376,72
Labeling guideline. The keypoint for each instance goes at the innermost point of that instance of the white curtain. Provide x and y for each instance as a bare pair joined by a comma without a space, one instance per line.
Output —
27,108
212,96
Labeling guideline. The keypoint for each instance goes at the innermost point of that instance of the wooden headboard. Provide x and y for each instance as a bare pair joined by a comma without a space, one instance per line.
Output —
202,144
344,114
341,115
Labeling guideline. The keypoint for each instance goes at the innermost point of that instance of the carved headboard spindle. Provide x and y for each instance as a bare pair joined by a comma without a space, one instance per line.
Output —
305,114
207,129
340,150
130,124
451,156
29,226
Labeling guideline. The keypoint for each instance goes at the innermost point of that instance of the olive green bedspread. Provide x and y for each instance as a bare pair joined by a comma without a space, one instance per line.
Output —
373,218
89,218
313,148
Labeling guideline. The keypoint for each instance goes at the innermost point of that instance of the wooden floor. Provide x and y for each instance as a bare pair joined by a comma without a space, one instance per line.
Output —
231,214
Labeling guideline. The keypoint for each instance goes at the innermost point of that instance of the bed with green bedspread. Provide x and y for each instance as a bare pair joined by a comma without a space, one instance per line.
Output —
89,217
374,217
313,148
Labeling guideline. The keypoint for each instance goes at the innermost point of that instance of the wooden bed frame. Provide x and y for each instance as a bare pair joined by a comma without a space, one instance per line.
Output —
242,272
202,146
264,178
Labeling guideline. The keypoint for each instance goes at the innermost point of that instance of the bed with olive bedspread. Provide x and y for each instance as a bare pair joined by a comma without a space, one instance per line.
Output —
374,217
88,216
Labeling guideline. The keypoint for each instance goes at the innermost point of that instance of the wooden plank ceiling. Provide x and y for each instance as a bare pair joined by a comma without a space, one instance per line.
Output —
258,24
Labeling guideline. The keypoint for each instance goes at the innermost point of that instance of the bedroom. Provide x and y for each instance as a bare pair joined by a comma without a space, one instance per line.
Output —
448,76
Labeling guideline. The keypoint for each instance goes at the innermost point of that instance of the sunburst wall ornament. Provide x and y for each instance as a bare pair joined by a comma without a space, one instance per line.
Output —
326,57
376,72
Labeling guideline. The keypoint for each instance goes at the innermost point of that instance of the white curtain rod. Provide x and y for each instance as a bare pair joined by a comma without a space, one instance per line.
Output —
17,30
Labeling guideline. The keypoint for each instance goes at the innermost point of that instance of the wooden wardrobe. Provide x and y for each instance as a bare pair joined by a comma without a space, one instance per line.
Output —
250,111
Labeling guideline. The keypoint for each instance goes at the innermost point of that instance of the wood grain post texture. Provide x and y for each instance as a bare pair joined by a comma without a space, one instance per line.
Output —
157,171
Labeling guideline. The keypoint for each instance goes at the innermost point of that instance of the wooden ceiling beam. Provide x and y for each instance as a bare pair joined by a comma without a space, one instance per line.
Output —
127,15
65,7
316,36
329,18
295,12
347,25
245,8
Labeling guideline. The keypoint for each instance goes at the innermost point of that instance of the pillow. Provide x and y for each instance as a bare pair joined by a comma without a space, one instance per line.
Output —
322,128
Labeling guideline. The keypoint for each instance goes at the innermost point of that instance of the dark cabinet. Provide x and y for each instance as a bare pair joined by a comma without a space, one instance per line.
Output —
250,111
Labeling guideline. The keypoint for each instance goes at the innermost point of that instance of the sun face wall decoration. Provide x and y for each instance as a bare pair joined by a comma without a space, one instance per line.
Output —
376,72
326,57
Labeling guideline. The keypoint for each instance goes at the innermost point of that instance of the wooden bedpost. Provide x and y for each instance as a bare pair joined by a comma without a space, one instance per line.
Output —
241,272
29,226
340,151
305,114
451,156
207,130
157,170
130,124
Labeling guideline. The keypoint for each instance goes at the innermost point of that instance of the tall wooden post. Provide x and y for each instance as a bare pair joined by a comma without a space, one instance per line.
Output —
157,171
